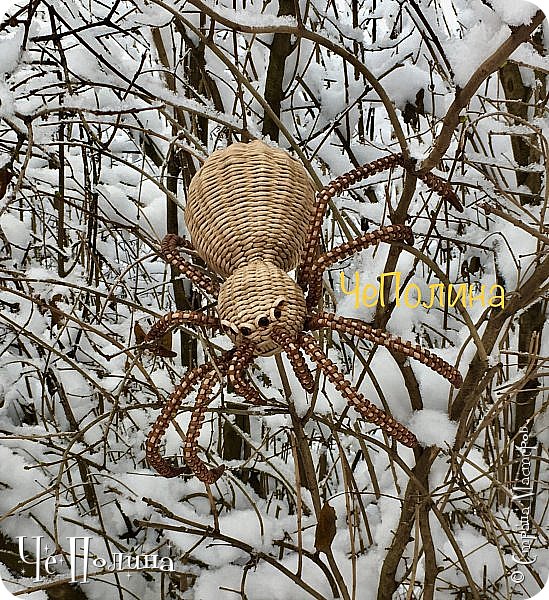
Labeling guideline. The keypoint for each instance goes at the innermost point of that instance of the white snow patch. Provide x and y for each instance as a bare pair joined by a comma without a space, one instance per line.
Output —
485,32
433,427
15,230
11,47
404,83
513,12
6,101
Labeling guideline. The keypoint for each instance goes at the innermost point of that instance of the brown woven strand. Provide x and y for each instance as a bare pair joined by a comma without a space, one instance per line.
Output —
334,188
297,361
169,249
154,439
388,234
242,358
342,182
442,188
369,411
190,448
175,319
382,338
236,361
248,202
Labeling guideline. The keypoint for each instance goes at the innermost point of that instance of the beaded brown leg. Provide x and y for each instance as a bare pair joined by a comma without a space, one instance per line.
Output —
369,411
169,249
440,187
382,338
335,187
391,233
190,448
297,361
169,411
175,319
243,356
328,192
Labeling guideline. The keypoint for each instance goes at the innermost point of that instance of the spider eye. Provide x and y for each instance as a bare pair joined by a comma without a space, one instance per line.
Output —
263,322
245,330
277,313
231,326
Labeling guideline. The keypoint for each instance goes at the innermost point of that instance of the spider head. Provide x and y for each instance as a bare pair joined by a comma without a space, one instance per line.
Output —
256,299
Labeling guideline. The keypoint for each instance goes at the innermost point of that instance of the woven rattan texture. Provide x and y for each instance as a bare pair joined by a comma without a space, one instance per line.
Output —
249,201
258,297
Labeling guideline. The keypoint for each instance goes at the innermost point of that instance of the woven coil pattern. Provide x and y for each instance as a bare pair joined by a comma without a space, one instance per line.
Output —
170,251
203,399
256,298
248,202
177,319
301,370
243,357
169,411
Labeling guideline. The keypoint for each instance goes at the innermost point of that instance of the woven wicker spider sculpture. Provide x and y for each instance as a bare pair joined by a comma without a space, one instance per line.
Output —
253,217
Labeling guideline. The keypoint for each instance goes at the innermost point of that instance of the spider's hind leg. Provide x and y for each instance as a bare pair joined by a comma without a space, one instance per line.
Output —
170,251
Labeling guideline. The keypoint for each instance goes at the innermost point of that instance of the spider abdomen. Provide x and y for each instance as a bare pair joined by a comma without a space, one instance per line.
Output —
249,202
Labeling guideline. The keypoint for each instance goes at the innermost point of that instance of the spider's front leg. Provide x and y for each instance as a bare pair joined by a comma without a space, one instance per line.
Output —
382,338
175,319
297,361
169,411
190,449
232,361
388,234
242,358
232,365
369,411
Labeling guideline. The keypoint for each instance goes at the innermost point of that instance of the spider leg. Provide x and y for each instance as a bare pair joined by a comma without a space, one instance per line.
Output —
169,411
297,361
190,448
174,319
232,365
335,187
169,249
328,192
369,411
391,233
382,338
242,357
